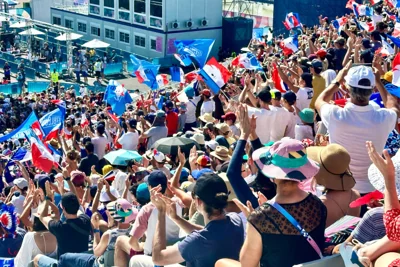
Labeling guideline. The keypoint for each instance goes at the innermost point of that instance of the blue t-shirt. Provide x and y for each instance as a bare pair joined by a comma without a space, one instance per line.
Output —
219,239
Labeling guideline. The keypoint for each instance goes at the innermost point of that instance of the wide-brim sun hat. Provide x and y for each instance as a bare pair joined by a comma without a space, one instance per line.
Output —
207,117
376,178
287,160
334,161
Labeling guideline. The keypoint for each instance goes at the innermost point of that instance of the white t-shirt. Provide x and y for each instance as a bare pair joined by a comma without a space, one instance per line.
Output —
191,109
265,121
100,145
304,97
303,132
129,140
207,107
283,121
351,127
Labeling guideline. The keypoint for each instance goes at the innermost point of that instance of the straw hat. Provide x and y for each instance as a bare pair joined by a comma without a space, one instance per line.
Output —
334,161
54,143
223,127
207,117
221,153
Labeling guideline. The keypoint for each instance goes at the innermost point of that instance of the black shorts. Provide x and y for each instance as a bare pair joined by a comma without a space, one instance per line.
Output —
98,74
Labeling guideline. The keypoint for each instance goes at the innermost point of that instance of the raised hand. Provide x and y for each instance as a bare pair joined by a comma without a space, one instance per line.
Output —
384,165
246,209
181,156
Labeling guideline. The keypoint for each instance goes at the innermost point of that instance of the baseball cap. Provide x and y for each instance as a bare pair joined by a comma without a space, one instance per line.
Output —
212,190
156,178
104,197
169,104
361,77
184,174
132,123
212,144
316,64
189,91
229,116
204,161
21,183
206,92
276,94
307,115
159,156
199,138
321,53
142,192
78,178
160,113
290,97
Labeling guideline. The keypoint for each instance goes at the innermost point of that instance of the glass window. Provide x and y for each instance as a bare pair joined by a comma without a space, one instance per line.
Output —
124,15
124,37
95,31
140,41
81,27
153,44
140,6
109,3
69,24
156,8
123,4
56,20
94,10
108,12
110,34
94,2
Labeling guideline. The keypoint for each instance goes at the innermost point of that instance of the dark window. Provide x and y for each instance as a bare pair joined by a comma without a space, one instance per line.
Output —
140,6
156,8
95,2
110,34
124,4
81,27
109,3
153,44
69,24
140,41
124,37
56,20
95,31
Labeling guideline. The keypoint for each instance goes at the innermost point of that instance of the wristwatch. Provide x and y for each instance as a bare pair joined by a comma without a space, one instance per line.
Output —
96,230
335,83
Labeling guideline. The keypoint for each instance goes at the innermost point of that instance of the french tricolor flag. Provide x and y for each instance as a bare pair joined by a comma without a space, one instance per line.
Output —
53,134
279,84
396,70
84,121
396,30
141,75
375,2
59,102
215,75
289,45
349,4
41,156
368,26
337,23
162,80
246,61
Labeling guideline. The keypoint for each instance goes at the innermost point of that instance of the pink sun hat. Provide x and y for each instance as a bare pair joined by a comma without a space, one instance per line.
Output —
286,159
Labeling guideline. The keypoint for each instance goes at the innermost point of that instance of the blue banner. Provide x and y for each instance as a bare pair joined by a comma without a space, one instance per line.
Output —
199,49
22,129
51,119
11,89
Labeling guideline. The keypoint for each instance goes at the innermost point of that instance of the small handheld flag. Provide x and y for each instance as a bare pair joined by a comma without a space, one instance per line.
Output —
215,75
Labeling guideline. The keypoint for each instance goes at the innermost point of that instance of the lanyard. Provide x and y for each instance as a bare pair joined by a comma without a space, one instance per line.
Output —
293,221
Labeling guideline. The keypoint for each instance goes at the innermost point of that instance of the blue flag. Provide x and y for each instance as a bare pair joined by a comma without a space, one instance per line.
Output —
392,89
175,74
24,127
135,62
117,96
160,103
184,60
199,49
52,119
20,154
395,40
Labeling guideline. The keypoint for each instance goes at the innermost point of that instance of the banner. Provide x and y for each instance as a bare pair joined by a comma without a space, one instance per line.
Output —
171,49
159,44
25,127
10,89
51,120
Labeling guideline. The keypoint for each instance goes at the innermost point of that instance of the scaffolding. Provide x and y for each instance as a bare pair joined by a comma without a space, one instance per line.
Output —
30,23
238,7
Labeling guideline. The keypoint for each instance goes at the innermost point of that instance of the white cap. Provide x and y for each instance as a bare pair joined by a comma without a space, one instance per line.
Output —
360,73
199,138
159,156
212,144
104,196
21,183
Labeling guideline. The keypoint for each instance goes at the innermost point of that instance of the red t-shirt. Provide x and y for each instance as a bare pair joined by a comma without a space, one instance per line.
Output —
172,122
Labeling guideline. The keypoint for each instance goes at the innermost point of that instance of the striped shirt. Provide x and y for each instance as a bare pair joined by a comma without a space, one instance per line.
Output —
371,226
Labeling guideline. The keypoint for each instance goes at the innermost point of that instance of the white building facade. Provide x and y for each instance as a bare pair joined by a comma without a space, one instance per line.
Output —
144,27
